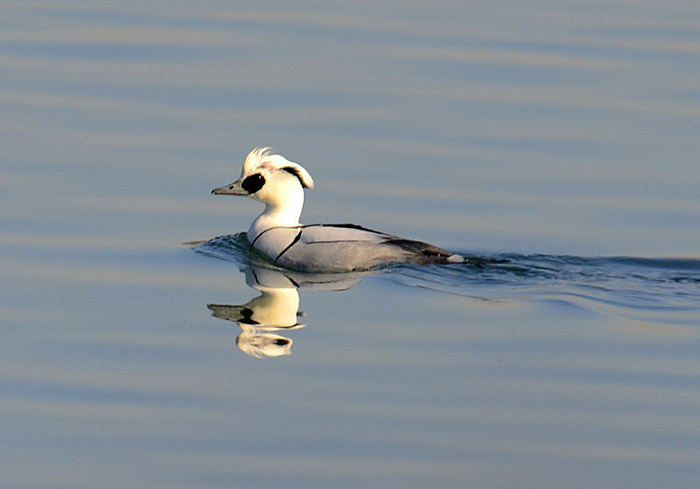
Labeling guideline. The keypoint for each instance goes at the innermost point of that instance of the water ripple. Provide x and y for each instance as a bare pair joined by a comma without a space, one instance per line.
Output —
655,289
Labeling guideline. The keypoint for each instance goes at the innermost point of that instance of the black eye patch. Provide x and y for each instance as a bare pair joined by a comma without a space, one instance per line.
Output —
253,183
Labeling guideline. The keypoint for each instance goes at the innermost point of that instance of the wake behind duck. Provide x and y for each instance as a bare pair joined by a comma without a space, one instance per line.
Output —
324,248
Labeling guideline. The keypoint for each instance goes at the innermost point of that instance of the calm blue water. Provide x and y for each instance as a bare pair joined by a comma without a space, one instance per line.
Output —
555,144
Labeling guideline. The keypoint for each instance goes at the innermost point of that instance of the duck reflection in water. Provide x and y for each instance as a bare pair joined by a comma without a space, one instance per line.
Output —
276,308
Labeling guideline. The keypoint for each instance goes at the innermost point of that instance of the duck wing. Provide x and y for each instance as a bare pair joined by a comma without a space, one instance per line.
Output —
349,247
348,233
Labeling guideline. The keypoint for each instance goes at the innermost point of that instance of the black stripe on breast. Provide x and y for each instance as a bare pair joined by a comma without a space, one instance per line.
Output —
294,241
252,245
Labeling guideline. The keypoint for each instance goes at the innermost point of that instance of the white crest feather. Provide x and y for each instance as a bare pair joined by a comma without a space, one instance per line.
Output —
264,158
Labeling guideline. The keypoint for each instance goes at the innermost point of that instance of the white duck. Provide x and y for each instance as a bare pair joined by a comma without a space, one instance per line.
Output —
279,184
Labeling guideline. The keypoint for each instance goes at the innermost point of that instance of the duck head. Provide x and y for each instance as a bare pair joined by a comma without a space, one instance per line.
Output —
275,181
267,177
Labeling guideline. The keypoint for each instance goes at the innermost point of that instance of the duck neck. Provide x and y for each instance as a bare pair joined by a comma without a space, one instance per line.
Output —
278,214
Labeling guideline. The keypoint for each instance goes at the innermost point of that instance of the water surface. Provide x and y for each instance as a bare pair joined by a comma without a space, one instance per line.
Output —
555,144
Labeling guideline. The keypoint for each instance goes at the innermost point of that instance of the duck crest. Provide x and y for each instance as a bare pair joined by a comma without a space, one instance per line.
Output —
256,158
263,158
